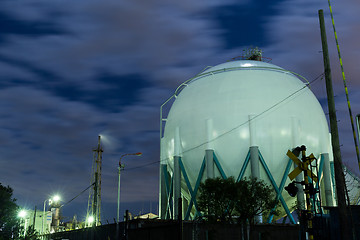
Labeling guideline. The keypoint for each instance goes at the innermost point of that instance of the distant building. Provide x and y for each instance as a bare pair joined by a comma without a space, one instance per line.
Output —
36,220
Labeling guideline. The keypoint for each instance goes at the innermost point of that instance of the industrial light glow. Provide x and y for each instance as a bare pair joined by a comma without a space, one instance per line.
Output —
22,214
56,198
90,219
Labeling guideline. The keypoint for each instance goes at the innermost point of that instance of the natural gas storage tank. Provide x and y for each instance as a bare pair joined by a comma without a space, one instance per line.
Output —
230,108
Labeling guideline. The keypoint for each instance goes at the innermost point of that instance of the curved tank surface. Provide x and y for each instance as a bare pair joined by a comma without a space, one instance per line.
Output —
235,105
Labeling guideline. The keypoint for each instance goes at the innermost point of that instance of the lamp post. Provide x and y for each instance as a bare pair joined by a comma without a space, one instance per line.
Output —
56,198
42,228
121,166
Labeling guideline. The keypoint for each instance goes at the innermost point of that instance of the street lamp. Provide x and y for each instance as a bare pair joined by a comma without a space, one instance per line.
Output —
90,220
22,214
55,199
122,166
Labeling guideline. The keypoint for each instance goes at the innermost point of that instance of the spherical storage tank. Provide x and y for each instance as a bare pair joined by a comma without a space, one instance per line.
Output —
234,106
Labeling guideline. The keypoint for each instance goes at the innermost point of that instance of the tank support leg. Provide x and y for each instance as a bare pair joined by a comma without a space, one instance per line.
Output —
327,180
177,187
209,156
163,191
255,168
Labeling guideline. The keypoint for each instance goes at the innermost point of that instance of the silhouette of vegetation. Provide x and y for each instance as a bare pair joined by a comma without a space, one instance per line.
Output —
224,200
254,197
9,223
31,234
216,199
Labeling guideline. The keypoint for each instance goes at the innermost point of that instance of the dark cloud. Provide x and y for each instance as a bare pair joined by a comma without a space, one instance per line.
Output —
73,70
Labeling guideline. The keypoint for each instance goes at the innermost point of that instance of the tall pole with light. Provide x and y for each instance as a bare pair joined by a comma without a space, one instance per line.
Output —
42,228
56,198
120,167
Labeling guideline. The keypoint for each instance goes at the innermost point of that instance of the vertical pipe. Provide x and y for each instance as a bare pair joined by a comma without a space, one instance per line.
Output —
252,131
209,152
209,158
163,194
177,186
327,180
180,219
254,155
254,150
177,142
339,173
209,133
176,173
162,185
254,159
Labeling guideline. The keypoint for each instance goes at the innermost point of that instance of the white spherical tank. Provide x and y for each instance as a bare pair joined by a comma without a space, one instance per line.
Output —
239,104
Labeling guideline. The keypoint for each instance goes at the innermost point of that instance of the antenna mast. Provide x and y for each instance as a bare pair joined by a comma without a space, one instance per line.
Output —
94,202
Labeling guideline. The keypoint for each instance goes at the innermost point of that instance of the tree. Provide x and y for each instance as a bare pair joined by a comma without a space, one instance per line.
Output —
221,200
31,234
253,198
9,224
216,199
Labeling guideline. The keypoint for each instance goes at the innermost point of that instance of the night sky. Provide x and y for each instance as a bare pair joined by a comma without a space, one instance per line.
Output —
73,70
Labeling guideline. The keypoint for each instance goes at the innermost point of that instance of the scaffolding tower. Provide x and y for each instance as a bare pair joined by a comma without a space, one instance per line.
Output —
93,216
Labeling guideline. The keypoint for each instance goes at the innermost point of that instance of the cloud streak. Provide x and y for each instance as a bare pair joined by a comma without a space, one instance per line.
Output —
49,134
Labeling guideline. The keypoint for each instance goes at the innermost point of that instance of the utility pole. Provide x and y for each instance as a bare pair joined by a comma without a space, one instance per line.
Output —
94,202
338,167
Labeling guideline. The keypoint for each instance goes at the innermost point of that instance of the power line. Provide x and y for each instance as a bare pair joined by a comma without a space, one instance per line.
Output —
77,195
141,166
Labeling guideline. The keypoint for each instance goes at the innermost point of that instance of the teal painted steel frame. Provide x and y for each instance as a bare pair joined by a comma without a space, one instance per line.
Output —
169,193
193,192
197,185
218,165
277,190
281,187
242,171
